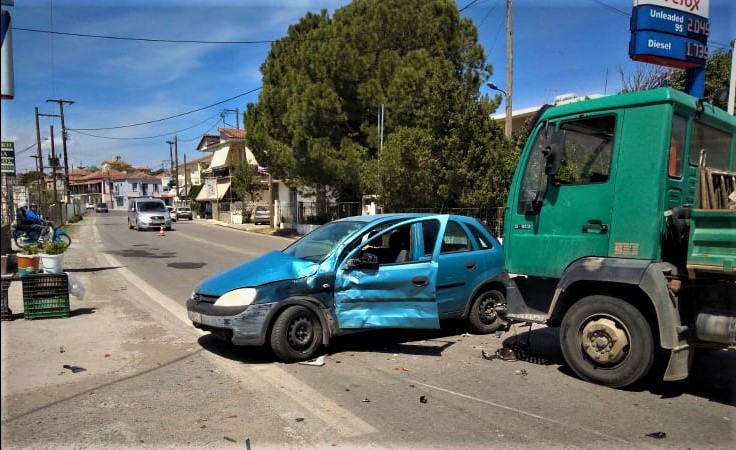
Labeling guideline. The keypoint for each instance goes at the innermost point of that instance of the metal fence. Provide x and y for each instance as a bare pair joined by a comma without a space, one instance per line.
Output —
491,217
308,213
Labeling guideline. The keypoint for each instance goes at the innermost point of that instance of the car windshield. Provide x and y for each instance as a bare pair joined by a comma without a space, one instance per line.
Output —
316,245
151,207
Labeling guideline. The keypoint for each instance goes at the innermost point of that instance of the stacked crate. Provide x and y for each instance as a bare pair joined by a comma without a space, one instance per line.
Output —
45,295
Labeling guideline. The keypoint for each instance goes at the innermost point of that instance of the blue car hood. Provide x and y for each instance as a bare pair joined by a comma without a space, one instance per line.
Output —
268,268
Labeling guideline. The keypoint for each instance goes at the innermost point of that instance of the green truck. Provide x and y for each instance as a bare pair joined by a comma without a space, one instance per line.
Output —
620,229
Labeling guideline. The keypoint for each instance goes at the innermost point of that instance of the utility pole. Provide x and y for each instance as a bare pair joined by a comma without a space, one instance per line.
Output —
52,164
186,185
109,186
237,116
39,160
63,144
176,166
38,185
171,157
509,70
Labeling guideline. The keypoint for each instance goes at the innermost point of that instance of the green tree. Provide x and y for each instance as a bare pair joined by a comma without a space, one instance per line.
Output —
316,122
246,180
717,75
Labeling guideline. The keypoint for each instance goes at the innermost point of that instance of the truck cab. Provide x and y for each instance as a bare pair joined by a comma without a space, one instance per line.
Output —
601,238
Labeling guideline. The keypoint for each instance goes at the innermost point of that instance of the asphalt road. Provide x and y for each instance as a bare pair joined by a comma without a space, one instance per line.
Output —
426,388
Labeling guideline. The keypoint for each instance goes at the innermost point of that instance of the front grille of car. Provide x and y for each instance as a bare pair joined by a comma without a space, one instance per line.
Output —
199,298
157,217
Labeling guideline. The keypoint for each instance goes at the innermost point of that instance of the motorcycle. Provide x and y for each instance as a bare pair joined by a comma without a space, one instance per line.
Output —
24,237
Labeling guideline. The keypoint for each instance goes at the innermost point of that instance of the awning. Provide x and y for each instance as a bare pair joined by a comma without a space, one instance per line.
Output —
219,159
211,191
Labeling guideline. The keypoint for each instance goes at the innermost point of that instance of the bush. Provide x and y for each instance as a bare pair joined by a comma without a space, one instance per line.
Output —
31,249
54,247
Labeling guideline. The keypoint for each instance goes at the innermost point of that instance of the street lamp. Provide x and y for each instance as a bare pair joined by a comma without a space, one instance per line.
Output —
508,119
496,88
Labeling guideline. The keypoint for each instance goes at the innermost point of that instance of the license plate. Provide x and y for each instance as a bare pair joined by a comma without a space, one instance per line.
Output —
195,316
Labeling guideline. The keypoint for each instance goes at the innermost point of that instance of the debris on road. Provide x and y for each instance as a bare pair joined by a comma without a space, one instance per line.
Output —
422,399
74,369
657,435
319,361
366,400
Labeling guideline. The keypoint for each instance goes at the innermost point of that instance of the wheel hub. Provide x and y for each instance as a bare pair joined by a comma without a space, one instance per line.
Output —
604,342
300,333
488,311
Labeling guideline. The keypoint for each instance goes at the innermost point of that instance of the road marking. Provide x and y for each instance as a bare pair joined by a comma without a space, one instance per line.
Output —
522,412
334,416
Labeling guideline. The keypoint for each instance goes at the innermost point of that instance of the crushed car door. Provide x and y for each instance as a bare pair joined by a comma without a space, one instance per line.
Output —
387,283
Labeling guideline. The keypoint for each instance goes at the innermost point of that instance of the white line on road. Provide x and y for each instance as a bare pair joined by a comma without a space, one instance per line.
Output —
522,412
334,416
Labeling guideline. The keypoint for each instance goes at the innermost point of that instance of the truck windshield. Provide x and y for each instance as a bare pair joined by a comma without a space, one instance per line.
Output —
318,244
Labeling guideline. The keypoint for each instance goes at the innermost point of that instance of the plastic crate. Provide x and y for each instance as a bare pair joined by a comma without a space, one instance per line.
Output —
45,295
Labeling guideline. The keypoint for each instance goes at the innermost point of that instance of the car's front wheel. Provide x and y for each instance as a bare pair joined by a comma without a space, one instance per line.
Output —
296,334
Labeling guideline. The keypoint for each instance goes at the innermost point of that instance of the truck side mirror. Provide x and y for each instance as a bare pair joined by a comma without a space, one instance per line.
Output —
553,152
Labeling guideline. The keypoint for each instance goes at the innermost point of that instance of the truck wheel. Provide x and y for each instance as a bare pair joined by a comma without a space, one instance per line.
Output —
607,341
483,317
296,334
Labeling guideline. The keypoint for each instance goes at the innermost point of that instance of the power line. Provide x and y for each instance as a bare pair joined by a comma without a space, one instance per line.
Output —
467,6
123,38
147,137
166,118
612,8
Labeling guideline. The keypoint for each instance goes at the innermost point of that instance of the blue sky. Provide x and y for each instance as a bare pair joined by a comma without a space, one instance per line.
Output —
560,47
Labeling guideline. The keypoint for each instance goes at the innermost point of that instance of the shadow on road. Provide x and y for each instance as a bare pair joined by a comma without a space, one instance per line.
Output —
91,269
245,355
711,376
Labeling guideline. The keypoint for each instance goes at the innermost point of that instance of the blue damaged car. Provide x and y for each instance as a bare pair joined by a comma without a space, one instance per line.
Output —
358,273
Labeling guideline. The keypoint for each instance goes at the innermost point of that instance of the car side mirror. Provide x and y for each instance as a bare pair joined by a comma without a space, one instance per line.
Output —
367,261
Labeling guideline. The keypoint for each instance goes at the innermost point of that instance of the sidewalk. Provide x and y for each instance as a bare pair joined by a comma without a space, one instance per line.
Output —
263,229
119,372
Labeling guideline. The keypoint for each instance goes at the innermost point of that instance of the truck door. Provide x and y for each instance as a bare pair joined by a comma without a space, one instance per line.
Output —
573,206
375,288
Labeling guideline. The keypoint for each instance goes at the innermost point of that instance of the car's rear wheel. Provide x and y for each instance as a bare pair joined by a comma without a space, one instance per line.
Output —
483,317
296,334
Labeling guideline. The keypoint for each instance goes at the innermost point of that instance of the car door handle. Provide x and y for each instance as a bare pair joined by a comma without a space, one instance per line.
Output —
420,281
470,265
595,226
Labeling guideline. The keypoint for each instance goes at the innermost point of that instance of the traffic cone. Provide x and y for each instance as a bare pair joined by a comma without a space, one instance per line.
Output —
161,232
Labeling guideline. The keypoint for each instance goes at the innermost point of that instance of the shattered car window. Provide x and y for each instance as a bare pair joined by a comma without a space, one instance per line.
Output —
316,245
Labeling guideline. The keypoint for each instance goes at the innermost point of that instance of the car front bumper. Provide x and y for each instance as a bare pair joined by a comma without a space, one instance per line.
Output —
241,325
155,224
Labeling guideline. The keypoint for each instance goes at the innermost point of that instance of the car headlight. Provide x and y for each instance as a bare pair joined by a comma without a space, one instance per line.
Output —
237,297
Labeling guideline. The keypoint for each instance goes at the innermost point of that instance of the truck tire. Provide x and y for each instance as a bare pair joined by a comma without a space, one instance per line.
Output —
483,317
607,341
296,334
